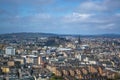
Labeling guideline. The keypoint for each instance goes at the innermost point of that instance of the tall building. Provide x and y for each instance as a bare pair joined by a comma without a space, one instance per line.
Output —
10,51
78,43
79,40
40,61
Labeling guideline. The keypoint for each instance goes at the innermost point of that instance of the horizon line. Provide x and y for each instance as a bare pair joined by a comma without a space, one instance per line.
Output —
62,34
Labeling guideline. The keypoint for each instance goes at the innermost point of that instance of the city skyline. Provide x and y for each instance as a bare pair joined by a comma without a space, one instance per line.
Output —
60,16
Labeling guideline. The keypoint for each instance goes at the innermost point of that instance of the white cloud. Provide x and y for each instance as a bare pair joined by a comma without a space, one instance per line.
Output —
95,12
117,14
99,6
83,16
109,26
91,6
112,4
76,17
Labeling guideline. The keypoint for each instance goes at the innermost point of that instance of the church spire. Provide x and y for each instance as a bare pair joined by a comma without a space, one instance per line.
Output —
79,40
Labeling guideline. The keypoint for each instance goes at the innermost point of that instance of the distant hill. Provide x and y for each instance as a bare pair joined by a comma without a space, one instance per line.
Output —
27,35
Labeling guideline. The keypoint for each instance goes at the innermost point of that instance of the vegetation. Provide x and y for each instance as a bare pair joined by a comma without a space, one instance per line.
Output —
56,77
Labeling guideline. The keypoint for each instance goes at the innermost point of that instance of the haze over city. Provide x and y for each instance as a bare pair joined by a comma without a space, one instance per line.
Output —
60,16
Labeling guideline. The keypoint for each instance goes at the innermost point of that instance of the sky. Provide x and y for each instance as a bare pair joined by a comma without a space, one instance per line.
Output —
60,16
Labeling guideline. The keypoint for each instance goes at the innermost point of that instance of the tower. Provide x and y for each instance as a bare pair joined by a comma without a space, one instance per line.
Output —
79,43
79,40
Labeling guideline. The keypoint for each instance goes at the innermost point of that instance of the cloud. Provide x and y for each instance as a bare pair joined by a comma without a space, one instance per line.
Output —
109,26
77,17
112,4
95,12
84,16
95,17
117,14
2,12
92,6
19,2
61,16
104,6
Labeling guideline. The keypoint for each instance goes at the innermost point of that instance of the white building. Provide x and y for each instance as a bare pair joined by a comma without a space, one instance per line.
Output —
81,57
10,51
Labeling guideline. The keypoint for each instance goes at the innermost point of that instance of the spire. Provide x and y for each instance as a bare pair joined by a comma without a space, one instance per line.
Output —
79,43
79,40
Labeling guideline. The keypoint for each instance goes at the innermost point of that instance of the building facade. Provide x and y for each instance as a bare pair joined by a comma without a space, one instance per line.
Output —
10,51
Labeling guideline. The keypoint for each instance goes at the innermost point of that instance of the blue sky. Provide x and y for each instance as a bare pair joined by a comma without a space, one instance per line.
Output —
60,16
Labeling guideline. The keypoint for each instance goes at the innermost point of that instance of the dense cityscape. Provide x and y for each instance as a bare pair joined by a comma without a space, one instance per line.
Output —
35,56
59,39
